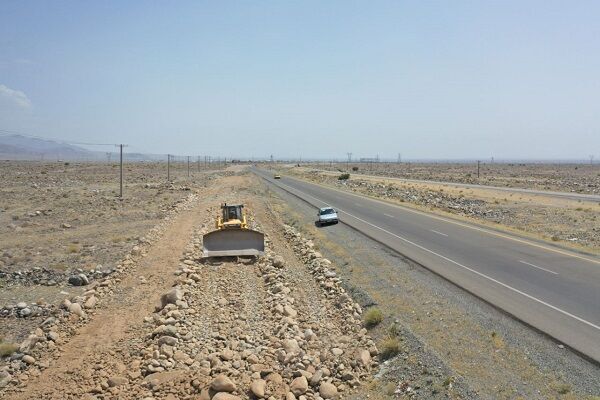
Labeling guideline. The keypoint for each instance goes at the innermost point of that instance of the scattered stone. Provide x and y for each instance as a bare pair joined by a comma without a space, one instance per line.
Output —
328,390
76,309
5,378
171,297
222,384
26,312
27,359
278,261
258,388
79,280
115,381
363,357
225,396
90,302
299,386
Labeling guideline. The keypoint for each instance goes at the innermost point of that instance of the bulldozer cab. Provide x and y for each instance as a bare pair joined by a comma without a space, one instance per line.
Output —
232,212
232,217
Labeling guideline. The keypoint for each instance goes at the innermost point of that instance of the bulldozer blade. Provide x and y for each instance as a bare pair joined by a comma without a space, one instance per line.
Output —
233,242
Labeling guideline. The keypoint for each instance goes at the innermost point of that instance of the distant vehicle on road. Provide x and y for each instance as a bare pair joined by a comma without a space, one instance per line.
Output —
277,176
327,215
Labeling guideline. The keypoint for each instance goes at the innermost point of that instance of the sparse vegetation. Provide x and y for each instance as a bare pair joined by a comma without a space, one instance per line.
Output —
343,177
448,381
7,348
561,388
373,317
497,341
389,347
73,248
394,330
354,169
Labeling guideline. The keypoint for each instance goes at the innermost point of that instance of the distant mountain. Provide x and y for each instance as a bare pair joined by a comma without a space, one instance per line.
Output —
24,147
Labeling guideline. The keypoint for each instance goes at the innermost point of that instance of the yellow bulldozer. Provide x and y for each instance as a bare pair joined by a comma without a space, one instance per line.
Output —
232,236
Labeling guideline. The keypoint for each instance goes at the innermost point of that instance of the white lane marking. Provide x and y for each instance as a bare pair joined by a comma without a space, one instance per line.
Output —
463,266
388,215
535,266
439,233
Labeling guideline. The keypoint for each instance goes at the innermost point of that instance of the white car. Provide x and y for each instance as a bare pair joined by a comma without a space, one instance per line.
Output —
327,215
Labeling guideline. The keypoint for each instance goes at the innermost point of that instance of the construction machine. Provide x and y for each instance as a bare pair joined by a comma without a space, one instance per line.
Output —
232,236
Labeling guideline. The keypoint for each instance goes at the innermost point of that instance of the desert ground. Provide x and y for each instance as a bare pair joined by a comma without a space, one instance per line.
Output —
565,177
109,298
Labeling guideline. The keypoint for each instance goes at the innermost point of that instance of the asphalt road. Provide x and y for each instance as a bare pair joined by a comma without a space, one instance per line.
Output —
554,290
547,193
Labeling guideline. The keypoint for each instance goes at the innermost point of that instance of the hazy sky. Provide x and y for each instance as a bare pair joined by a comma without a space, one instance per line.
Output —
447,79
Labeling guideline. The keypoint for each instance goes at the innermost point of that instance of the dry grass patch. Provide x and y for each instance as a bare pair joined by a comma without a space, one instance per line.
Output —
7,349
373,317
73,248
389,348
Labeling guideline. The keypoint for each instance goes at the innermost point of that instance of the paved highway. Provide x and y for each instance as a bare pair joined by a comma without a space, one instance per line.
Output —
547,193
553,290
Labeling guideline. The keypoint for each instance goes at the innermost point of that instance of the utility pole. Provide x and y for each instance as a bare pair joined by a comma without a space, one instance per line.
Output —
120,169
349,160
188,165
399,158
591,159
478,169
168,167
198,162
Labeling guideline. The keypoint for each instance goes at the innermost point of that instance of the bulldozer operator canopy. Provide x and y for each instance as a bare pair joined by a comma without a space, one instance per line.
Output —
232,211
